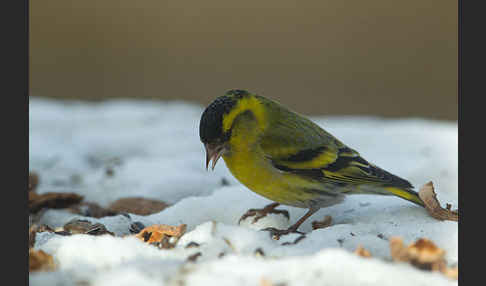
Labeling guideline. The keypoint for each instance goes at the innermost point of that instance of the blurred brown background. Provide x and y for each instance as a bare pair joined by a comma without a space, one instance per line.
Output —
376,57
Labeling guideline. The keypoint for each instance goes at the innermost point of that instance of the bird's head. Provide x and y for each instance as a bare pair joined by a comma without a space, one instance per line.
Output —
236,112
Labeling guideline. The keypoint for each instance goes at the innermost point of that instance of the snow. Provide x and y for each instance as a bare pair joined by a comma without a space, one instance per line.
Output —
154,150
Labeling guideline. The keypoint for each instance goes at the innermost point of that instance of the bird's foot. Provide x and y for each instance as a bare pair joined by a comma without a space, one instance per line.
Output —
260,213
276,233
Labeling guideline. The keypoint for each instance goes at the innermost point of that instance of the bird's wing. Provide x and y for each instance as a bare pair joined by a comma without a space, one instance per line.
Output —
300,146
299,143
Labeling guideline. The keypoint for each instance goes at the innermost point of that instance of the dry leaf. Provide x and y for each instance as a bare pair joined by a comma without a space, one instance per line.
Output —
52,200
136,205
398,250
452,272
161,234
259,252
193,257
423,254
43,228
265,282
32,233
136,227
362,252
432,205
34,229
297,240
40,261
228,242
425,251
192,244
91,209
33,181
78,226
323,223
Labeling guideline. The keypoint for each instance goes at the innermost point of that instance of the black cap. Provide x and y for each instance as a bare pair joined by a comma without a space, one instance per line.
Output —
211,124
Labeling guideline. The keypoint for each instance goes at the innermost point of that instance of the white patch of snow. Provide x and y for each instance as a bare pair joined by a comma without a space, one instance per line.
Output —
154,151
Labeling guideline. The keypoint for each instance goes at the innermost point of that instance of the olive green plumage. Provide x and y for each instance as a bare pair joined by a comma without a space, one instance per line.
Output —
286,157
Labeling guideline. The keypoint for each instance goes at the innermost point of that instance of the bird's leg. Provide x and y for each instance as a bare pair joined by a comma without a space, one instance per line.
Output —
260,213
294,227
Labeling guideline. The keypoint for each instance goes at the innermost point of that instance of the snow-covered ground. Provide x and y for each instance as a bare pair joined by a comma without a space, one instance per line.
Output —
154,149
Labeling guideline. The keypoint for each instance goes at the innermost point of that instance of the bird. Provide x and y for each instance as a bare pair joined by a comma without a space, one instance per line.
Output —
287,158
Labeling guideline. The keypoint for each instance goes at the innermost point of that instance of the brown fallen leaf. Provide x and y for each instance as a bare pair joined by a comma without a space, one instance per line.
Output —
40,261
32,234
52,200
424,251
137,205
33,181
91,209
194,257
78,226
423,254
452,272
266,282
297,240
161,234
432,205
136,227
360,251
326,222
397,249
228,242
43,228
34,229
259,252
192,244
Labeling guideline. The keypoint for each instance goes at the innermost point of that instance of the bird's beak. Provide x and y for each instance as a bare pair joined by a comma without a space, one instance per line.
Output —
213,153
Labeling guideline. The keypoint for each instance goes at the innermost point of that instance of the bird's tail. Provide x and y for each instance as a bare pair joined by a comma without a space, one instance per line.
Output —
406,194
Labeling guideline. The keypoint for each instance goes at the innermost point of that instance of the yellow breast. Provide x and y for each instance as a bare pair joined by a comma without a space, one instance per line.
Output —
247,162
254,171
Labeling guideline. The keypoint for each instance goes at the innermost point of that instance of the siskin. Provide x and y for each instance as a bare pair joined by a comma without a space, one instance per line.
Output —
287,158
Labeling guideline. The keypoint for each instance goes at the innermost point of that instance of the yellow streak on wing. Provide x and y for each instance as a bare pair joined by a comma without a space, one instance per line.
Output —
328,156
353,176
340,178
404,194
355,163
325,158
244,104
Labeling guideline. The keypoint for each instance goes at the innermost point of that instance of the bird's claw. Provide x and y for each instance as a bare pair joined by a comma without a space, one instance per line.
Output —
261,213
276,233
